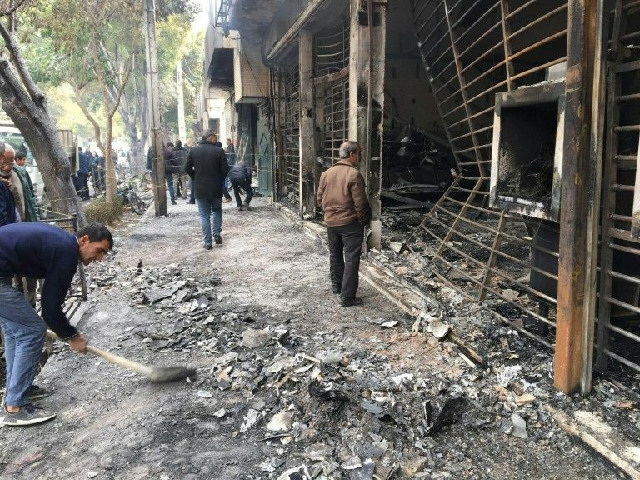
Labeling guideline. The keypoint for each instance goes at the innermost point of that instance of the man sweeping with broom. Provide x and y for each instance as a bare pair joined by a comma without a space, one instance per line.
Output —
39,250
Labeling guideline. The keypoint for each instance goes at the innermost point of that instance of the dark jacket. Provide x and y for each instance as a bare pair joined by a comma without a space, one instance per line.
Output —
83,165
240,172
32,213
7,206
207,165
168,168
39,250
178,159
343,195
231,154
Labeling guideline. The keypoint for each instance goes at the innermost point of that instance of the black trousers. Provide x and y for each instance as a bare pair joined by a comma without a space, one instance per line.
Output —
345,246
84,187
244,185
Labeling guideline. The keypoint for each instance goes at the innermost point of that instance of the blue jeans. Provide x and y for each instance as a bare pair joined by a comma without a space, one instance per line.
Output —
170,186
210,208
24,332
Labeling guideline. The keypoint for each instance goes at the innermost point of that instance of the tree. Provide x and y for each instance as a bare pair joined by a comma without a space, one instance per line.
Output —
26,105
64,51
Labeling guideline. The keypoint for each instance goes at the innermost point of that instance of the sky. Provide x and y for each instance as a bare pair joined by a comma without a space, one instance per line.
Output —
200,22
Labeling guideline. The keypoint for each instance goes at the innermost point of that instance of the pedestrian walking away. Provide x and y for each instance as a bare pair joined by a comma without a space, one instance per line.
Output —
83,174
178,161
168,172
207,166
240,177
39,250
343,196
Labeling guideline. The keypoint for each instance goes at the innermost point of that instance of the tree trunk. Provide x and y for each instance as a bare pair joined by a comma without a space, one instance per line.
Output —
94,123
111,173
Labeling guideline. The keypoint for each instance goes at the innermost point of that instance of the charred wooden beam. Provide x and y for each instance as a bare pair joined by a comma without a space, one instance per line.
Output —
581,52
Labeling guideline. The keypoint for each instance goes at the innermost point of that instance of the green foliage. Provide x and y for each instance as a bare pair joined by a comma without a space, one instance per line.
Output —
56,38
188,8
102,212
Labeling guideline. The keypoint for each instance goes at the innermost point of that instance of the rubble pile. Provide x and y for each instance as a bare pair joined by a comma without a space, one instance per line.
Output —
326,406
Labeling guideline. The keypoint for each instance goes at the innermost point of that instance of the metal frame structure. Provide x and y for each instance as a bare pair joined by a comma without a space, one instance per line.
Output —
482,49
290,104
223,14
336,118
331,75
472,51
619,308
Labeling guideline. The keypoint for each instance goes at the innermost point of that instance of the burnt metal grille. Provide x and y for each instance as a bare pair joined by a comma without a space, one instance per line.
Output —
336,118
619,309
473,50
331,49
291,119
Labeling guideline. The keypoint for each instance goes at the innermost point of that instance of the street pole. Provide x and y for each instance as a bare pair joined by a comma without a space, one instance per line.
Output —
158,175
182,129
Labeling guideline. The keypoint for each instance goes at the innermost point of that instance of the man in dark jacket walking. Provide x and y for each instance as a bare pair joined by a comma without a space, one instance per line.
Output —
240,177
343,196
207,166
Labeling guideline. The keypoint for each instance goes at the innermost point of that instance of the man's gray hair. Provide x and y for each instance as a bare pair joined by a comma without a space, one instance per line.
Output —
5,147
347,148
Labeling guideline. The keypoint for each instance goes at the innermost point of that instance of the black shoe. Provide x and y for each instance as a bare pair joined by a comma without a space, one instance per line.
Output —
27,415
239,209
173,202
350,302
336,289
192,203
218,239
208,247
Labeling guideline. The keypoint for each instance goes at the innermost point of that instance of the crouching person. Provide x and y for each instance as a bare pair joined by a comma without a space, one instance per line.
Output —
240,177
39,250
343,196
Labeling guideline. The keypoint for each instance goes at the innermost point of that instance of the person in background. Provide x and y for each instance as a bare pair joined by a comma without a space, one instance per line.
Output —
11,179
178,161
168,171
207,165
343,196
27,285
231,153
8,213
83,174
225,188
240,177
30,200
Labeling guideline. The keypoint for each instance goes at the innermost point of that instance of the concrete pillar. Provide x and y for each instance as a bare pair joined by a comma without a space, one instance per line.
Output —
307,190
366,99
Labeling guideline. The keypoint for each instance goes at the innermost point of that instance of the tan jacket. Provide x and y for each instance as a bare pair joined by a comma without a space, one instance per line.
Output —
343,195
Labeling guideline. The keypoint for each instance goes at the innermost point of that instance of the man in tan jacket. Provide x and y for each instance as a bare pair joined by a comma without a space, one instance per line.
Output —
343,196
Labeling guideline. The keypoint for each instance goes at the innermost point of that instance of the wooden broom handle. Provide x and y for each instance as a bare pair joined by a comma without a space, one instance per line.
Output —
110,357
